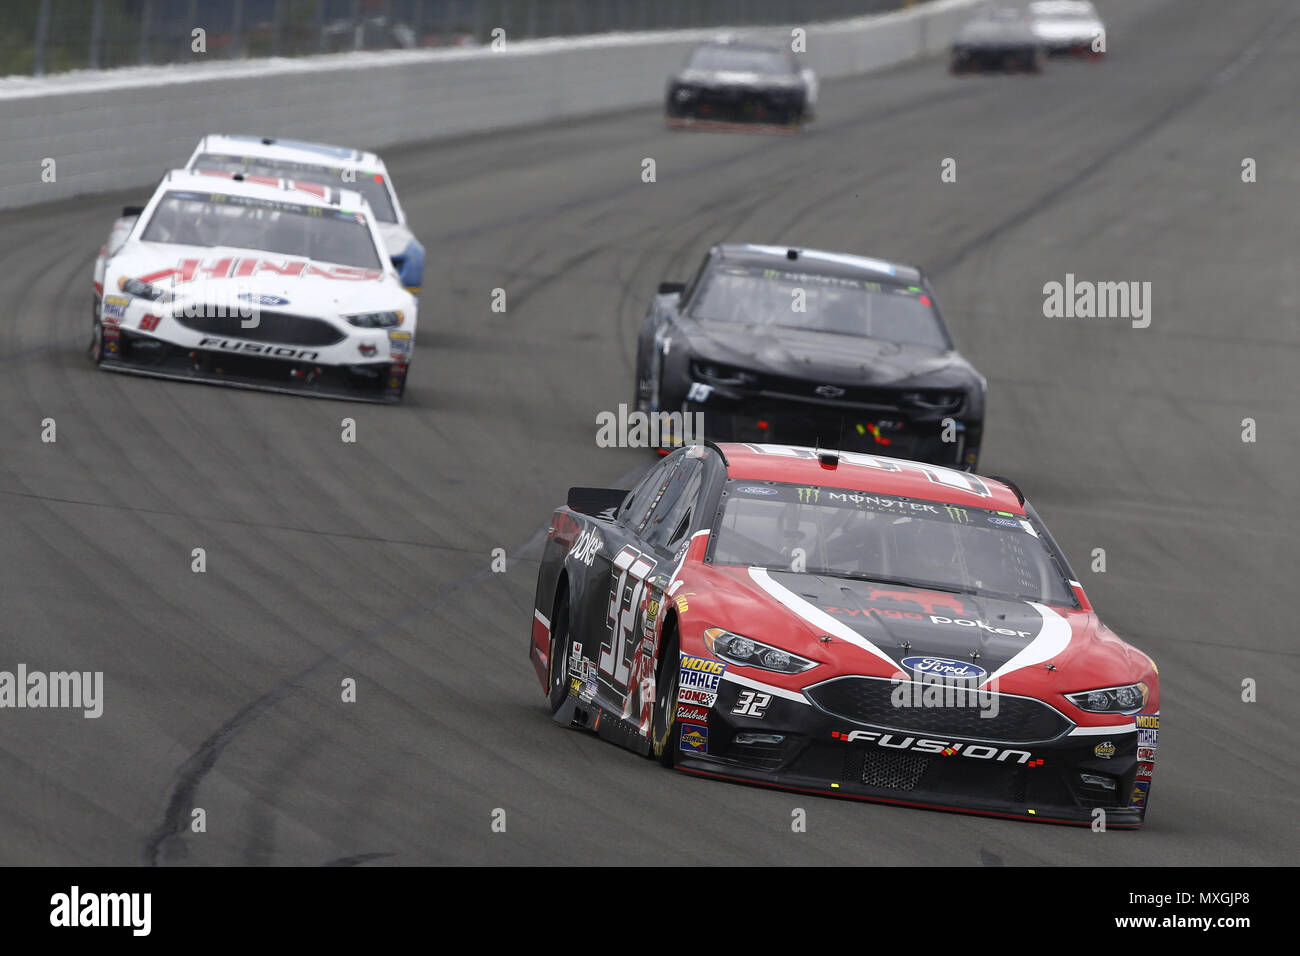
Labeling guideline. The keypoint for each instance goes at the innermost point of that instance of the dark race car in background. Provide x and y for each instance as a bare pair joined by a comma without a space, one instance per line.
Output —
730,81
804,347
846,625
998,39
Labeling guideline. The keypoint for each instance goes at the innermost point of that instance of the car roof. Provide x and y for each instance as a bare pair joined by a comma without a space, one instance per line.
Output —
742,43
817,261
268,147
1062,8
268,187
869,474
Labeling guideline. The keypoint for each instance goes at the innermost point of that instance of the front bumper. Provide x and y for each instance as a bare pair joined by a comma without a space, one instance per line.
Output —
133,352
736,105
1040,781
994,59
874,429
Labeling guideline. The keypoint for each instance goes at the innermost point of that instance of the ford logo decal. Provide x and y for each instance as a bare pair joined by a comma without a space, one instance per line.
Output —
258,299
944,667
755,490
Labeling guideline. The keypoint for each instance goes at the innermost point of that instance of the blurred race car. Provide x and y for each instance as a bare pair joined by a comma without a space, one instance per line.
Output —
732,81
1068,27
799,346
254,282
845,625
997,39
336,166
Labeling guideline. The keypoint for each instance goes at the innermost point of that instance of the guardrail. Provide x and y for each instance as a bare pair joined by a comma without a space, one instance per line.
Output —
110,130
49,36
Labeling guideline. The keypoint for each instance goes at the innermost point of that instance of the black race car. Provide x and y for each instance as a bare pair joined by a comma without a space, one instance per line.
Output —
998,39
729,81
797,346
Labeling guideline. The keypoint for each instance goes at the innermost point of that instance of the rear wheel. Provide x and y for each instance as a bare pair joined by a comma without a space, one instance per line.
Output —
558,656
663,747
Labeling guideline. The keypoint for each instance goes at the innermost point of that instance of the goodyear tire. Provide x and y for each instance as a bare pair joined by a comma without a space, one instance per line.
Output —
558,656
663,746
96,350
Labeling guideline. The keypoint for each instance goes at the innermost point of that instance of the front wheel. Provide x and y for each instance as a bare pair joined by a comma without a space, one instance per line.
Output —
663,747
96,350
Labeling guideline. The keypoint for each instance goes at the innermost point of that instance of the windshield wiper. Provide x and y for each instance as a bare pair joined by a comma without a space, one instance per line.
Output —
881,579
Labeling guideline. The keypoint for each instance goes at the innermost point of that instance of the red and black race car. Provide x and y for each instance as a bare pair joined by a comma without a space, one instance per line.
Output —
843,624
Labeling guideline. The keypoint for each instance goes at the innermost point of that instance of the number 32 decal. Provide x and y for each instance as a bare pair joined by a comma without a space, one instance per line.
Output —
751,704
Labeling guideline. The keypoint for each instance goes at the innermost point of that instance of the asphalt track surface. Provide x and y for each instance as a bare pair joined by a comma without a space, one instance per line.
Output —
371,560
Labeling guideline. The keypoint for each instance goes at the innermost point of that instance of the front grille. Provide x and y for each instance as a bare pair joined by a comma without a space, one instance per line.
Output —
873,396
893,770
281,328
869,700
788,387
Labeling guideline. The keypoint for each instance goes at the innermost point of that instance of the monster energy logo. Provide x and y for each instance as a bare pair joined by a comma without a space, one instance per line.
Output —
957,514
807,495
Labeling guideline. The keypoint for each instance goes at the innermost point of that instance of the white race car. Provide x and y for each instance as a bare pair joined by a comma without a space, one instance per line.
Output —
254,282
1068,26
338,166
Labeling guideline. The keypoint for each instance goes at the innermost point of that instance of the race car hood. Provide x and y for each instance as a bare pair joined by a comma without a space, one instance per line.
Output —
824,356
231,276
741,78
888,630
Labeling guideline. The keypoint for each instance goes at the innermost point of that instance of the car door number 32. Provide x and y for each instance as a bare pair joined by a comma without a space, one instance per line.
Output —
751,704
630,570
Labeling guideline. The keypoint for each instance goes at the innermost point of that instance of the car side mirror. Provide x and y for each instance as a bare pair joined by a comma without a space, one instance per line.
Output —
132,210
672,288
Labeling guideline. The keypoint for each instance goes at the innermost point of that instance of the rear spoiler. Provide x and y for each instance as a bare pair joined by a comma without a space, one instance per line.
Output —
596,501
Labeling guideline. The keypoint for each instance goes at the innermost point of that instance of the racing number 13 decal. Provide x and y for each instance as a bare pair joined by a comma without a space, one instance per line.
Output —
629,573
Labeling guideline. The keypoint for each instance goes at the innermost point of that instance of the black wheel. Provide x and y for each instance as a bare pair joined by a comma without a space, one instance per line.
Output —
558,656
663,747
96,350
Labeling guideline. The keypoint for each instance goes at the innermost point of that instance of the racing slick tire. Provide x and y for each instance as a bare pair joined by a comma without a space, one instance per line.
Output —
96,350
665,709
558,655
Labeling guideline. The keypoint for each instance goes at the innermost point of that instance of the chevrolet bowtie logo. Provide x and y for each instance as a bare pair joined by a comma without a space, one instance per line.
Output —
829,391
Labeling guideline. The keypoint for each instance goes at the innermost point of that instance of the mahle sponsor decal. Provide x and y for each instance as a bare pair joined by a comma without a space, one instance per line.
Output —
700,673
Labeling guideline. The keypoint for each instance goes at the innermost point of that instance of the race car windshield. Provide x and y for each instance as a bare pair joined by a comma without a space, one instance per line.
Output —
837,532
370,185
741,60
1062,10
243,222
791,299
